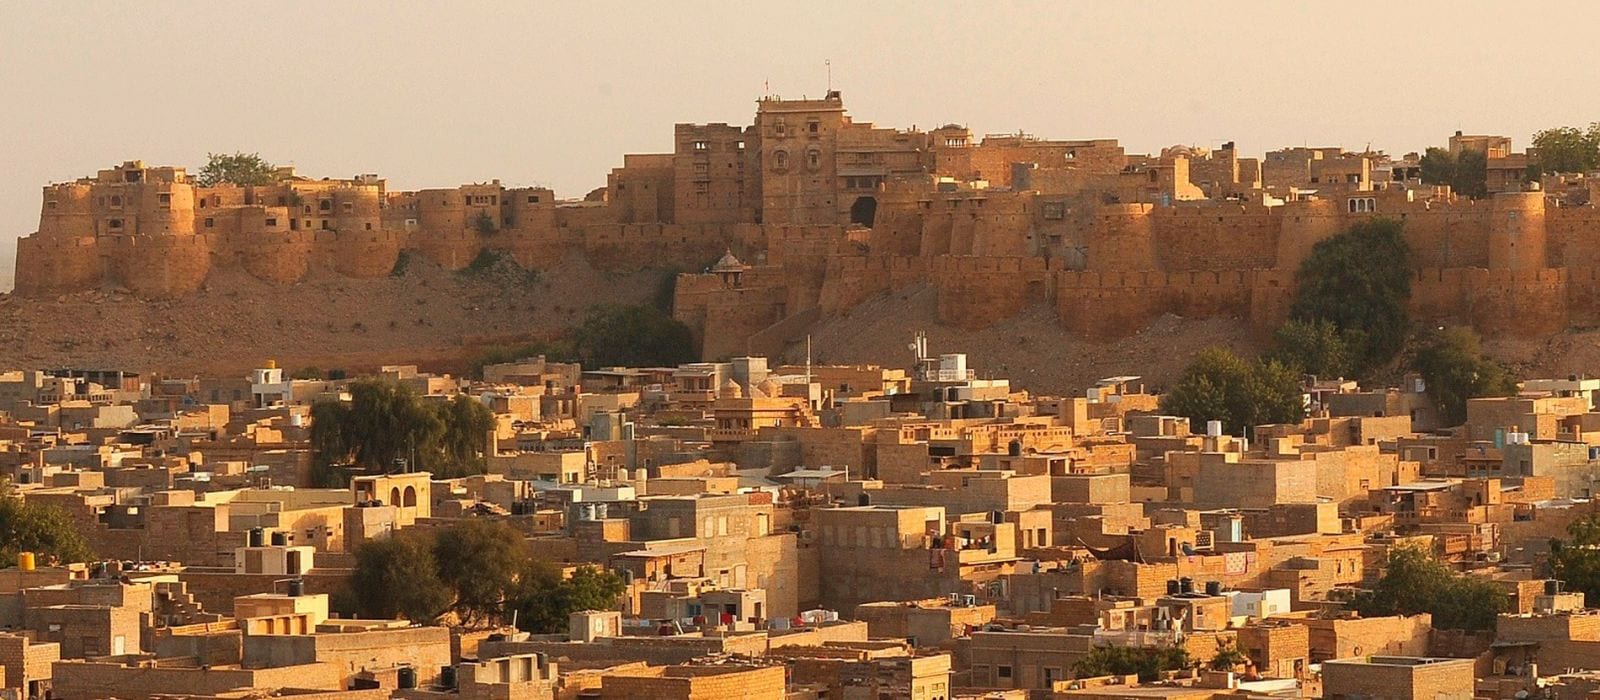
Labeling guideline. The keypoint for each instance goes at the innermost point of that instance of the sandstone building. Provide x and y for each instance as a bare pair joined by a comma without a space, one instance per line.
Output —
807,212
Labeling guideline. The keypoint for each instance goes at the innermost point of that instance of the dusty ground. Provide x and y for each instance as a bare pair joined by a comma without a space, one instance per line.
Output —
441,320
428,316
1031,348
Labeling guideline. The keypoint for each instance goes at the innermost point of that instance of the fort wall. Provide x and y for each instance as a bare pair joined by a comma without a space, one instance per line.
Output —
57,264
1511,263
158,266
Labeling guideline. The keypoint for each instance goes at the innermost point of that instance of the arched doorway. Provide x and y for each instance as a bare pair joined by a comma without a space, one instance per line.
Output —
864,210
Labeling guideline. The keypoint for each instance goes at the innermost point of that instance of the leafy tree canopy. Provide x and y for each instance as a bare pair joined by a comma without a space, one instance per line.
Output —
1576,560
1314,347
1415,582
1359,280
42,529
398,577
544,600
1568,149
1220,385
481,560
480,570
1467,172
633,336
1147,662
1455,369
1228,657
386,424
239,169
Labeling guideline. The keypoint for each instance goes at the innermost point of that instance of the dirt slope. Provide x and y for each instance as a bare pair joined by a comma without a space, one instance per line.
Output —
429,316
1031,348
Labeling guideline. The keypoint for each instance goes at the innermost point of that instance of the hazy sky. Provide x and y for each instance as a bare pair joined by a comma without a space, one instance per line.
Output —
554,94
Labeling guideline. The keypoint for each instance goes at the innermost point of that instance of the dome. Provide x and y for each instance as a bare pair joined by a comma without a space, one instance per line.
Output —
768,387
730,389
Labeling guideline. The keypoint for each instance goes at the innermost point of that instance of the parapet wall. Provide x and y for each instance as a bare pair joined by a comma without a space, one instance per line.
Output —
1510,264
158,266
1112,304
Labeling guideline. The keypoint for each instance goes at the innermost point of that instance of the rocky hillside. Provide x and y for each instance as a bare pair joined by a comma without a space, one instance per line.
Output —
426,316
442,320
1031,348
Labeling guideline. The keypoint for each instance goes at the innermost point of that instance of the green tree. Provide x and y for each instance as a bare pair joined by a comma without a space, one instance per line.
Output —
1220,385
634,336
386,425
543,600
398,577
1471,177
1228,657
42,529
1415,582
1147,662
1313,347
1438,166
482,561
330,446
1466,172
465,442
308,373
1455,369
1359,280
1567,149
240,169
1576,560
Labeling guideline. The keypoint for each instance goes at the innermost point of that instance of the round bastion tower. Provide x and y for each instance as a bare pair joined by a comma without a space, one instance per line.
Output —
356,208
67,211
63,256
1516,231
362,247
166,209
441,212
443,236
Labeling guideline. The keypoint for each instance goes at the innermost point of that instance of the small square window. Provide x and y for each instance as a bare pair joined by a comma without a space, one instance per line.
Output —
533,199
116,223
272,222
210,222
165,199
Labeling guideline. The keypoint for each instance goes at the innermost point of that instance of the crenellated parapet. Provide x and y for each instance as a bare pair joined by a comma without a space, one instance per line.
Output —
1513,262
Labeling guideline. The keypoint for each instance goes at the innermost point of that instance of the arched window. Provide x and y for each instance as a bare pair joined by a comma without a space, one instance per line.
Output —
780,160
394,496
410,497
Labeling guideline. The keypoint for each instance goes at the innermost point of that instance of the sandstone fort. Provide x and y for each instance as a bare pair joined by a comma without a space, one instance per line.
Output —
807,212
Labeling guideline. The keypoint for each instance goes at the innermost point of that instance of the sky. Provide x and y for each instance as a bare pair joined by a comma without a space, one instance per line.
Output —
440,94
